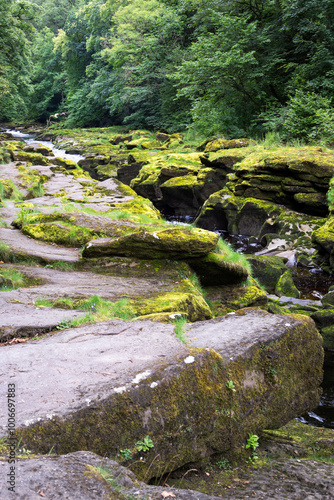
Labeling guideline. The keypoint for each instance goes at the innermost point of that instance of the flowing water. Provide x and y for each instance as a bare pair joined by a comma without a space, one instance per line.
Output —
31,139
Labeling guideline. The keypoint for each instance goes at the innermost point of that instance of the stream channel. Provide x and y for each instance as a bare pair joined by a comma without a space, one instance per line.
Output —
312,283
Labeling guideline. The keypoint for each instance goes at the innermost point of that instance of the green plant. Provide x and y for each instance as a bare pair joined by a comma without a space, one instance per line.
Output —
230,385
11,279
126,454
5,252
64,324
224,464
144,445
252,441
233,257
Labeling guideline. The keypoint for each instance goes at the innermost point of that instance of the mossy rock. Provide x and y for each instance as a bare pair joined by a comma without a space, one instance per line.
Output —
215,269
323,318
32,158
7,188
324,241
267,269
191,304
327,334
250,216
59,234
140,206
224,159
218,144
286,287
65,163
152,145
171,242
328,299
38,148
229,298
115,141
5,155
312,203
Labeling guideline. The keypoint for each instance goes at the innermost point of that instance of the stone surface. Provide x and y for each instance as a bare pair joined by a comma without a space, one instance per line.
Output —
25,320
83,476
168,242
131,379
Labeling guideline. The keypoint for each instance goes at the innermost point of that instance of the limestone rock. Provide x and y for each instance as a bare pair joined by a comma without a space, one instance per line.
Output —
226,144
173,242
116,382
297,178
83,475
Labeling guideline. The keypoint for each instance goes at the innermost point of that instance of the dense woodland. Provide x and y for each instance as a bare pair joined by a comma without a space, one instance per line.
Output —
229,67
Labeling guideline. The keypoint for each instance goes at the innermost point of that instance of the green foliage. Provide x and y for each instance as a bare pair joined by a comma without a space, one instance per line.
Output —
15,31
224,464
219,68
144,445
252,441
5,253
307,117
126,454
232,256
230,386
43,302
10,279
104,308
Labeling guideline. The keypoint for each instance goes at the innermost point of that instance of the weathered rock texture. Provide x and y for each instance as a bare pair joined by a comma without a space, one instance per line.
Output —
104,387
82,475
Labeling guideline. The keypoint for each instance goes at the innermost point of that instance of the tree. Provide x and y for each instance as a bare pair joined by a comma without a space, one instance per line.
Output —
15,33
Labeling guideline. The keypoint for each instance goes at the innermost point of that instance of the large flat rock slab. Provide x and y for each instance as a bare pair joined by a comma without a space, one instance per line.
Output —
105,386
84,284
25,247
83,475
26,320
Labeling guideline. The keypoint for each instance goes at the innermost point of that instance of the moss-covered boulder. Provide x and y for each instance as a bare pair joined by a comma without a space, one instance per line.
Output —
328,299
65,163
267,270
60,234
160,170
323,238
191,304
185,195
225,211
295,177
324,318
38,148
137,379
286,287
32,158
327,334
170,242
229,298
218,144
